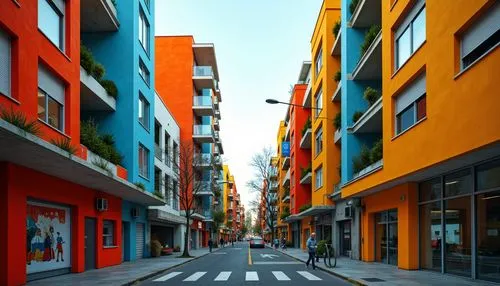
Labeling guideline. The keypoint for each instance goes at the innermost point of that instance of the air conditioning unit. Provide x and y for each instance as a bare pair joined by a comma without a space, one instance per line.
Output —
135,212
102,204
348,211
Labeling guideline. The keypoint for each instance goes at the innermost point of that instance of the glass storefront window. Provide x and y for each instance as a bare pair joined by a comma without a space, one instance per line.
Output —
430,190
430,236
488,236
386,237
458,183
488,176
458,236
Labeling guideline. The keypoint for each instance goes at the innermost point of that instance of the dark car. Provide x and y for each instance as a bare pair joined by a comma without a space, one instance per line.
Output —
257,242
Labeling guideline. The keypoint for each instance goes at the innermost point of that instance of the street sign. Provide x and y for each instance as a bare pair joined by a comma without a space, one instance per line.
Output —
269,256
285,149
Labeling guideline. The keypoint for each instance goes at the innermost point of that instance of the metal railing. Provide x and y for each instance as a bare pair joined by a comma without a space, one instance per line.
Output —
203,71
202,101
203,130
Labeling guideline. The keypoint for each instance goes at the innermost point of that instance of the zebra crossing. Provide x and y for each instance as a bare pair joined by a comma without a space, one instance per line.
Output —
225,276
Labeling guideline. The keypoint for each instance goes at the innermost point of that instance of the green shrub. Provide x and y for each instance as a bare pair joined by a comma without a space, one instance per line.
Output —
371,95
376,153
103,164
284,215
86,59
156,248
353,5
140,186
18,119
370,36
321,250
307,125
305,171
110,87
337,76
98,144
304,207
159,194
65,144
336,28
337,121
98,71
356,116
289,243
365,155
108,139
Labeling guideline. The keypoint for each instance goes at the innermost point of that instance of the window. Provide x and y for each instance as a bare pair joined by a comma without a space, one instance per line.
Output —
144,112
51,93
144,72
168,191
148,5
175,203
144,31
143,161
318,141
411,34
108,233
318,62
411,105
318,174
167,148
318,101
5,63
482,37
51,20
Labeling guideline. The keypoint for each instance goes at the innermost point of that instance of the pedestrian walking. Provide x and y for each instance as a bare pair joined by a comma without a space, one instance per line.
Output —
276,243
232,242
221,242
210,244
311,249
283,243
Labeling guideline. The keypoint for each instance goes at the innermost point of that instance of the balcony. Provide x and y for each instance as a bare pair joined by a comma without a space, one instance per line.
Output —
368,170
204,189
307,96
202,161
286,199
367,13
216,124
208,216
337,44
287,132
217,114
98,16
216,102
158,152
371,121
305,142
273,173
203,77
203,133
369,66
216,150
93,97
286,180
337,136
306,176
203,106
218,161
273,187
286,163
337,93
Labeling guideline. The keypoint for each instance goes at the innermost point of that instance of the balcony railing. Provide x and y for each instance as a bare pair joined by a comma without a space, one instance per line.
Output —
158,152
203,130
203,71
205,101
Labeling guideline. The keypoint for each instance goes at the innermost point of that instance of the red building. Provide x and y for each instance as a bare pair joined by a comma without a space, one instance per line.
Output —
59,211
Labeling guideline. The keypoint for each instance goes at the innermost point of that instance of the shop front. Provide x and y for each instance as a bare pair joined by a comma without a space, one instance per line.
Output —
346,227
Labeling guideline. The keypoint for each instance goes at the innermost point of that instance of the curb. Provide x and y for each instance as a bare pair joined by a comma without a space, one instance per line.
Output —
153,274
351,280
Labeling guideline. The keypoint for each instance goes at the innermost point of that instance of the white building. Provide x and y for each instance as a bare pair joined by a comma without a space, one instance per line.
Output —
165,221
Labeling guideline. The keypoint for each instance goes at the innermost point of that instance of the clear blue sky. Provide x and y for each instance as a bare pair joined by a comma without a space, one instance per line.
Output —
260,46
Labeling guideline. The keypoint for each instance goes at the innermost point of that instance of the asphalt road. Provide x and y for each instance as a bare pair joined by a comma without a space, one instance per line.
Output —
240,265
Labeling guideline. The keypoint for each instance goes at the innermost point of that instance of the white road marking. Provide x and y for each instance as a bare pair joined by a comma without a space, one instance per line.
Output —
269,256
223,276
251,276
277,262
280,276
195,276
309,276
166,277
237,248
219,253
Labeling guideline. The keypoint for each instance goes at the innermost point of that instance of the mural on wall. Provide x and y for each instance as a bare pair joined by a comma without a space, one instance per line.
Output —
48,233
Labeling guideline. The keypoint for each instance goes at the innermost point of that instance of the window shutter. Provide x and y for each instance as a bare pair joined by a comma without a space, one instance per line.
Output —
5,63
411,94
53,86
481,30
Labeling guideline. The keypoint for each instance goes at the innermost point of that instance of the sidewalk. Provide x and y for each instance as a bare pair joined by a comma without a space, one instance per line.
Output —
124,274
359,272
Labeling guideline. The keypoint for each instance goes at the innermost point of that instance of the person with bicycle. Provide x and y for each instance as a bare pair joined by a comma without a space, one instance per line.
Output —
311,249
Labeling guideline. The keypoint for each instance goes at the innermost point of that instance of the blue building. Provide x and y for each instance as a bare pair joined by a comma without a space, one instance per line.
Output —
126,50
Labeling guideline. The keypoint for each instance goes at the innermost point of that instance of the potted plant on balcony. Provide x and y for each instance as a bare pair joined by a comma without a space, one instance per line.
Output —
353,5
371,95
336,28
370,36
337,121
338,76
356,116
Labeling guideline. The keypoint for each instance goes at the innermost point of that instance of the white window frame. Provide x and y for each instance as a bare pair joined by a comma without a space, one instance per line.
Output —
410,96
53,88
407,25
5,63
318,178
143,108
144,31
58,6
144,72
318,60
318,102
478,33
108,224
318,145
144,153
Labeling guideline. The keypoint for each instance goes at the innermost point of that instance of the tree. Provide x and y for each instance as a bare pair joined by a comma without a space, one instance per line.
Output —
187,162
247,225
218,216
261,164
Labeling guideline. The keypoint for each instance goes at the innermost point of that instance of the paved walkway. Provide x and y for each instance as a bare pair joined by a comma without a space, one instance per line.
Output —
125,273
359,272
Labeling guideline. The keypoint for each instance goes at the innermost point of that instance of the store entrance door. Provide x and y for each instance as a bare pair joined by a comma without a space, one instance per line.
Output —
386,237
345,238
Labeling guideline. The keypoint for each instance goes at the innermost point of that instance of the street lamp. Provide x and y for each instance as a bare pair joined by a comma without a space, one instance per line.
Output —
274,101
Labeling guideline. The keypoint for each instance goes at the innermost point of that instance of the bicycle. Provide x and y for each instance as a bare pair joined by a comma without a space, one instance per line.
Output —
329,256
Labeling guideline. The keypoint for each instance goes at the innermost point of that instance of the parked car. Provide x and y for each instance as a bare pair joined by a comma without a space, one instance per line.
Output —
257,242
